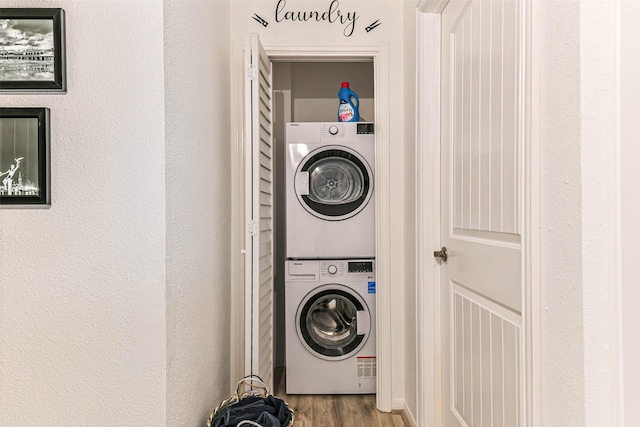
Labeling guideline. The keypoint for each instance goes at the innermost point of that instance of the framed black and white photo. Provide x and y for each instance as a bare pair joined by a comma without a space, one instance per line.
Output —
24,157
32,50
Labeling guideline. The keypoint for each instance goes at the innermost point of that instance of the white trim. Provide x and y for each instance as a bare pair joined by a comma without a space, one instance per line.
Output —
400,405
407,416
379,53
249,302
237,219
616,279
532,303
428,218
432,6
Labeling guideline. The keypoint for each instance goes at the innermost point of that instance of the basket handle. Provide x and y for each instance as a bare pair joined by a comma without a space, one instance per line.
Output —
248,422
253,382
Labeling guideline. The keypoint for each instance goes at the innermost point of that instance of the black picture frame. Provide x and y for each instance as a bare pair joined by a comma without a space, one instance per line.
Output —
32,53
25,157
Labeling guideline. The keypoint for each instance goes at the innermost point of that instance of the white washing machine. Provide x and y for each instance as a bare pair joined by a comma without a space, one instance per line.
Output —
330,326
329,194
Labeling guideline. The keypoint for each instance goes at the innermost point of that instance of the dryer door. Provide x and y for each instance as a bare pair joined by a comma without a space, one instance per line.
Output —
334,183
333,322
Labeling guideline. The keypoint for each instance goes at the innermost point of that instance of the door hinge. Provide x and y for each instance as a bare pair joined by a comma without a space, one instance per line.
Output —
252,228
252,72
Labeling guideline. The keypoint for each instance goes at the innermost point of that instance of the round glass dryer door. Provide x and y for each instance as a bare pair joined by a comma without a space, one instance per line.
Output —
334,183
333,322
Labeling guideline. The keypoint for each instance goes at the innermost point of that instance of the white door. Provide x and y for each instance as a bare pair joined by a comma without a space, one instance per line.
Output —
482,199
258,212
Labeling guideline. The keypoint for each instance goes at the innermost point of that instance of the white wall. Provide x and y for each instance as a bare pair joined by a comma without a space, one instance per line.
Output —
114,303
563,348
630,206
599,257
198,152
315,89
82,284
578,264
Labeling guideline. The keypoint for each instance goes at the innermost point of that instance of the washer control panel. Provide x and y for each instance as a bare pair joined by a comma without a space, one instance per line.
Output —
332,268
360,266
336,268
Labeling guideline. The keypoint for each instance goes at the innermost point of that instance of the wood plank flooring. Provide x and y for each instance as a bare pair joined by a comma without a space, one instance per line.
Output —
353,410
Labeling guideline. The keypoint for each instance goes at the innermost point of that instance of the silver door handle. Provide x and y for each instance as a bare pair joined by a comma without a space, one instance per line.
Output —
441,254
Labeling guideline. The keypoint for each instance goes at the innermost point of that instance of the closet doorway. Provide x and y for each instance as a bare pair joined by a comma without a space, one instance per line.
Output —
249,354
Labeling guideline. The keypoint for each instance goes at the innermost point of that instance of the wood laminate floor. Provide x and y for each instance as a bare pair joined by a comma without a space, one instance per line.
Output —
353,410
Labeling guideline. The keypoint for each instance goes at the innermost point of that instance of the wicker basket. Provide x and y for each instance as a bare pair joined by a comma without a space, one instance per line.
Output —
249,388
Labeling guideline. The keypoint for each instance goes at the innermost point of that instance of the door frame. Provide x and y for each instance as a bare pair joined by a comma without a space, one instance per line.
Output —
379,54
429,363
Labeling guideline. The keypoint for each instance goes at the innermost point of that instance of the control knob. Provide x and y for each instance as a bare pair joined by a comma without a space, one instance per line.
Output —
333,130
332,269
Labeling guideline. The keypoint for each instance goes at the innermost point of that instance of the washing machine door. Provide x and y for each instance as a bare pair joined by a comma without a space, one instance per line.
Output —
334,183
333,322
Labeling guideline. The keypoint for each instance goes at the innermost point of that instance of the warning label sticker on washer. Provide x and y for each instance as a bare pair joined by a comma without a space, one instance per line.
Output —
366,366
372,287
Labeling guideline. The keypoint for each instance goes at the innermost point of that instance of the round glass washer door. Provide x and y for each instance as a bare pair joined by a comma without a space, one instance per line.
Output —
334,183
327,322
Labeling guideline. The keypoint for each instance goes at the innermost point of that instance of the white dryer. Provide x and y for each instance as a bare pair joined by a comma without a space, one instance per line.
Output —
330,327
329,194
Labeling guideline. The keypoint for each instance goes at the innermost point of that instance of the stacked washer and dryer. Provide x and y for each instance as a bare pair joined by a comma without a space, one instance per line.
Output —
330,288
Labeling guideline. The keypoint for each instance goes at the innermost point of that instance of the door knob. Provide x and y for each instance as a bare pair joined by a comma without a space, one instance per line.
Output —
441,254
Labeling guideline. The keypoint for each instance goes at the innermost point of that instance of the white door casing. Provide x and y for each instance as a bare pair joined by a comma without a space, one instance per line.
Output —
485,194
379,54
258,212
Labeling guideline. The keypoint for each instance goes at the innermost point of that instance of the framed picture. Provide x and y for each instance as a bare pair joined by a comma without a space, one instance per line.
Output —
32,50
24,157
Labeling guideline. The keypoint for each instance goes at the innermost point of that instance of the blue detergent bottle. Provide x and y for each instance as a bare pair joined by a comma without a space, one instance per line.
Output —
348,110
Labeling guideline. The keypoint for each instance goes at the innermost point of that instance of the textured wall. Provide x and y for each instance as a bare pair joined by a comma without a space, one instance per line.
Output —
630,177
597,140
561,217
82,284
198,208
578,134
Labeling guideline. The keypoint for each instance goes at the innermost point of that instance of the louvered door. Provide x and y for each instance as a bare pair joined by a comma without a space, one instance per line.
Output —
258,212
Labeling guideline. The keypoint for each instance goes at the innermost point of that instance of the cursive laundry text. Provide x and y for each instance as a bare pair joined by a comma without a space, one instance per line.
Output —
331,15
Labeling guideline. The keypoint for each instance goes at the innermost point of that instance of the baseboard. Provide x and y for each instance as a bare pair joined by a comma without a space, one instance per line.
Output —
399,405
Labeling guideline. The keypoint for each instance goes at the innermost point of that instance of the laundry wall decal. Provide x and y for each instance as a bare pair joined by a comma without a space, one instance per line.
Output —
260,19
331,14
373,25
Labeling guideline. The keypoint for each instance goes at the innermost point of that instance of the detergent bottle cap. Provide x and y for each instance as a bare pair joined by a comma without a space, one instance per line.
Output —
345,84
